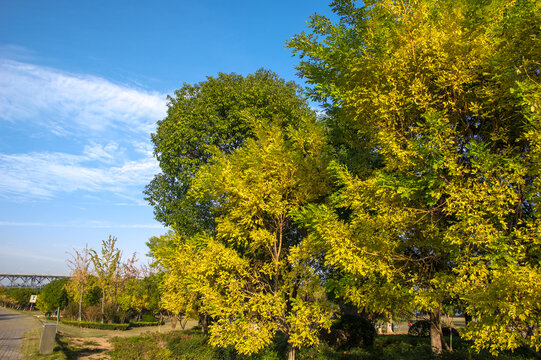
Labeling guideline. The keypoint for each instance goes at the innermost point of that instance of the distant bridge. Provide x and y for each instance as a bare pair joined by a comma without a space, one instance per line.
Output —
34,281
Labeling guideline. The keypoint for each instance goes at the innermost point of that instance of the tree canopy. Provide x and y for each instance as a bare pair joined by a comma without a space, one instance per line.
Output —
445,96
53,296
213,113
418,190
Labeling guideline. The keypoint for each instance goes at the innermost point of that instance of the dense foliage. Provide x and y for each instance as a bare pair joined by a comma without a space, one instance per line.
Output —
444,98
53,296
18,298
417,191
213,113
194,345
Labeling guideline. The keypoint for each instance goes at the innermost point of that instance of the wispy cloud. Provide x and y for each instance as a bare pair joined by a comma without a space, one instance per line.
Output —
25,254
66,103
111,123
42,175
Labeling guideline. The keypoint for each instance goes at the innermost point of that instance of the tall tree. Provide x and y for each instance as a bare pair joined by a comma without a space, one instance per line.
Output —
79,265
445,95
254,277
201,116
105,267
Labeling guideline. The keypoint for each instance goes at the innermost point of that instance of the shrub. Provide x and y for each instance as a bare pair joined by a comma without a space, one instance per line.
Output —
92,313
141,348
144,323
96,325
148,318
420,328
351,331
71,311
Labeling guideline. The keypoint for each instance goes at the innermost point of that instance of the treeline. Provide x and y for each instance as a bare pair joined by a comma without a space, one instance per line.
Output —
102,287
16,298
416,188
106,288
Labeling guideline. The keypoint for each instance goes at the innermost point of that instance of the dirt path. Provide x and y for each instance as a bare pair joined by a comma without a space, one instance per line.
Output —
90,348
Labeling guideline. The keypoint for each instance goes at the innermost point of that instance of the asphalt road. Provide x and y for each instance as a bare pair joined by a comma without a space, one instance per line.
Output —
12,328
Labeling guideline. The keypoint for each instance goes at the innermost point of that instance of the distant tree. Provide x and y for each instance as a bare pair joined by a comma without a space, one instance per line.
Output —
53,296
105,267
140,295
79,265
174,258
20,297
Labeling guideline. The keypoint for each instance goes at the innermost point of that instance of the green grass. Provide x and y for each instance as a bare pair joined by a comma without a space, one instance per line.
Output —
185,345
30,347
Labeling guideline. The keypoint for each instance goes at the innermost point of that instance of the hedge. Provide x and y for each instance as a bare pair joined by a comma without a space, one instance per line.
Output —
144,323
95,325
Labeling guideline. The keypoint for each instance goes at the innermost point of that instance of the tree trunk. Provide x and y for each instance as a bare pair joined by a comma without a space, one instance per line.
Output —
467,318
81,303
204,322
389,325
290,352
436,340
183,321
174,321
102,306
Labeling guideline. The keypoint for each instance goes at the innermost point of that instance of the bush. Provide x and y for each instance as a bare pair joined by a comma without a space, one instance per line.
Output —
351,331
447,331
71,311
92,313
148,318
420,328
144,323
141,348
96,325
190,345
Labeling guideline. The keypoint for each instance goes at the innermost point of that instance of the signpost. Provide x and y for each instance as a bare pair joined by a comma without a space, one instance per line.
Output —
33,299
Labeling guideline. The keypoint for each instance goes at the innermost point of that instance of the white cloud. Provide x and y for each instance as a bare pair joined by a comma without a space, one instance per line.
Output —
42,175
106,153
69,104
111,124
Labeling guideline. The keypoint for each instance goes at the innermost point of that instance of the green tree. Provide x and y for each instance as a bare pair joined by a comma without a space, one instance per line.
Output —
105,267
20,297
140,295
201,116
444,96
174,259
53,296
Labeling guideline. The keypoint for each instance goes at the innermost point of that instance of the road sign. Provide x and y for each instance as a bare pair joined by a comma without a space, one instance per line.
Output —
33,299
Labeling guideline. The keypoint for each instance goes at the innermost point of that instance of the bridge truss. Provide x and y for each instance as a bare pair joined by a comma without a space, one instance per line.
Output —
34,281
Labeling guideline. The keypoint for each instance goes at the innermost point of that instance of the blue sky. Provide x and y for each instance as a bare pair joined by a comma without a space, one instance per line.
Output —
82,84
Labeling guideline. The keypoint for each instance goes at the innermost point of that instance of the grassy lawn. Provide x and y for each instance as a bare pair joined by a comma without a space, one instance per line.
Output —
164,343
192,345
80,343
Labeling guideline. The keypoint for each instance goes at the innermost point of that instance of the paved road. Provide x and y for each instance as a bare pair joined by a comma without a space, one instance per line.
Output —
12,328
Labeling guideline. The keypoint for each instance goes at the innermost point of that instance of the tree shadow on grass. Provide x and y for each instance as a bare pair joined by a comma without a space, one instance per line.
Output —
76,352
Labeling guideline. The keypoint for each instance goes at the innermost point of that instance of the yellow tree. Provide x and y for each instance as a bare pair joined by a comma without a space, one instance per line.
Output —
255,277
173,257
440,100
79,265
105,267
